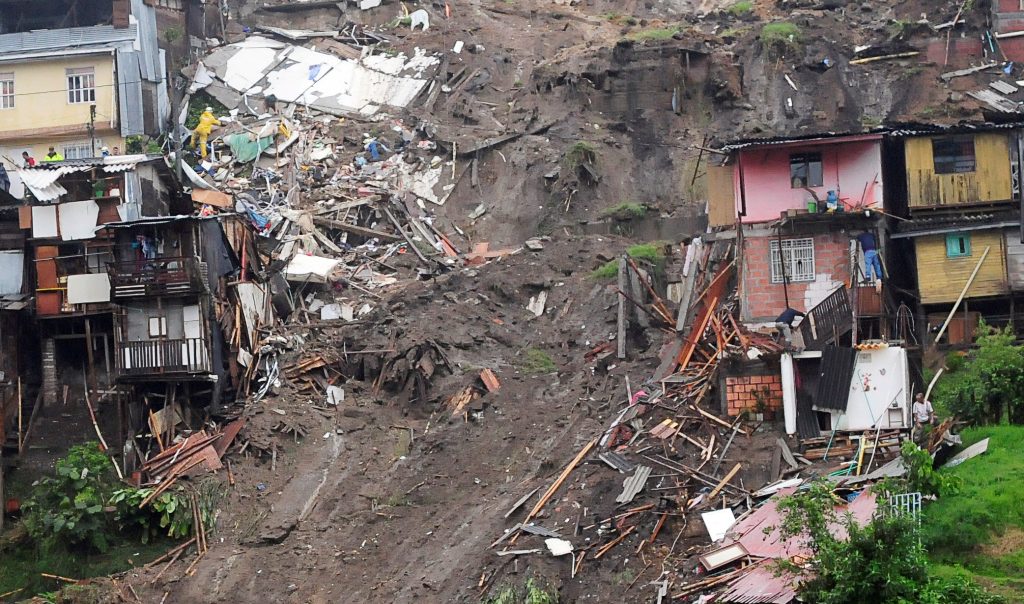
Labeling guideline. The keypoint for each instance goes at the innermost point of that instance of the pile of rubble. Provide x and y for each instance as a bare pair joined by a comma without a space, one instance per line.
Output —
681,473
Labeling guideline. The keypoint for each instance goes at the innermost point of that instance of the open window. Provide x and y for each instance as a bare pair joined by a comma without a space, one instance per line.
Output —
953,154
958,245
805,170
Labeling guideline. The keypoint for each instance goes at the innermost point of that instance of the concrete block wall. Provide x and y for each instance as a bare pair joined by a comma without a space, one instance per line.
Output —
744,393
764,300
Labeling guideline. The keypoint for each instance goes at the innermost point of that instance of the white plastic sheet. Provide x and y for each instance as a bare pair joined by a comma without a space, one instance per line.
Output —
89,288
44,222
12,269
78,219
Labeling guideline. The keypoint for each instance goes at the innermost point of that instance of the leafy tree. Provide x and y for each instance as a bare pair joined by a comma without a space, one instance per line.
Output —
69,508
882,562
989,384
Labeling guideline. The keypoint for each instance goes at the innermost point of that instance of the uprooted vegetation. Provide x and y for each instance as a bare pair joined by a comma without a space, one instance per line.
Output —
653,253
627,210
781,39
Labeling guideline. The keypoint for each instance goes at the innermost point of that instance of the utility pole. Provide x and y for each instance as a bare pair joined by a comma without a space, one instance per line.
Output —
92,128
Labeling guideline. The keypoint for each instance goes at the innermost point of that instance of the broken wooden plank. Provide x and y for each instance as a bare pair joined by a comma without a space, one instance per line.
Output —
899,55
355,230
620,318
787,455
561,479
724,481
490,380
949,75
518,504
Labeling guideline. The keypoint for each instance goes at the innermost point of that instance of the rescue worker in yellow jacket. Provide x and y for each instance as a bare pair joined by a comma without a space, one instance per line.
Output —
203,129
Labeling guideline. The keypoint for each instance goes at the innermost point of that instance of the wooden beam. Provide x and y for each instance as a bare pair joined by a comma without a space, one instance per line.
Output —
355,230
724,481
963,292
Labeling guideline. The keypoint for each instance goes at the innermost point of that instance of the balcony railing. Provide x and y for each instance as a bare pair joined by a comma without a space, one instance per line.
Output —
155,277
159,357
827,321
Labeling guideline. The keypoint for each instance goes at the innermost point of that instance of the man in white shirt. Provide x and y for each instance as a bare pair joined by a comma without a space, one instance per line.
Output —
923,412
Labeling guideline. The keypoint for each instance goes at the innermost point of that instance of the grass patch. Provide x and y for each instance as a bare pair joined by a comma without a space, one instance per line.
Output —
537,361
626,210
651,252
779,39
531,591
980,530
740,8
23,563
655,34
734,32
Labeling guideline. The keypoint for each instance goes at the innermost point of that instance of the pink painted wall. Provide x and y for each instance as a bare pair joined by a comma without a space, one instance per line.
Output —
846,166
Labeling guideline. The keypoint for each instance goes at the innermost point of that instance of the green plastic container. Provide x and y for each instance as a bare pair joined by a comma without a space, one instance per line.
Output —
812,206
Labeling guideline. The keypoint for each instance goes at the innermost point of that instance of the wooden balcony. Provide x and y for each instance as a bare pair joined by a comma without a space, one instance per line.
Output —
171,276
154,358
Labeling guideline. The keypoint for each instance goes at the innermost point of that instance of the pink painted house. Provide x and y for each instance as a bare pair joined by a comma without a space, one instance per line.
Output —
770,178
792,256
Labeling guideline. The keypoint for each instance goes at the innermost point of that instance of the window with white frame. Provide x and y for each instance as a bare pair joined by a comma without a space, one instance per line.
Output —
794,261
6,91
81,85
78,150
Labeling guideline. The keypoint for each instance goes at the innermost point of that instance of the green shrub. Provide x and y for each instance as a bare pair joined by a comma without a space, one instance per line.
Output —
779,39
68,508
651,252
626,210
881,562
741,8
169,513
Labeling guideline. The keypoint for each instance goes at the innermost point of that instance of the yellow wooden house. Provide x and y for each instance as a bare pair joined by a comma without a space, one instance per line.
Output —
959,170
962,196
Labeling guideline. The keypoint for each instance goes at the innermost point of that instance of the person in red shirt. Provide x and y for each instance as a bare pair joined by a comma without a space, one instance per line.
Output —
29,160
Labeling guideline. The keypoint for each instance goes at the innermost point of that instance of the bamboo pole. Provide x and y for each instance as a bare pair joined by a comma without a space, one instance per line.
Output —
963,293
558,483
21,434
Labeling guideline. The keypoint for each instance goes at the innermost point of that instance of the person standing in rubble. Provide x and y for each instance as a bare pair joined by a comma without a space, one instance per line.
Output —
872,263
924,416
201,134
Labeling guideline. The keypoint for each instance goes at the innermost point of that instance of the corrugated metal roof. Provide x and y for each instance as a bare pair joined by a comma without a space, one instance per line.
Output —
111,163
914,129
61,40
617,461
824,137
634,484
763,583
837,364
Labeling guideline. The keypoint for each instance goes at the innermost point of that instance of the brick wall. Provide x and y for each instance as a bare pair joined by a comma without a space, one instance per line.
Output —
743,393
764,300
